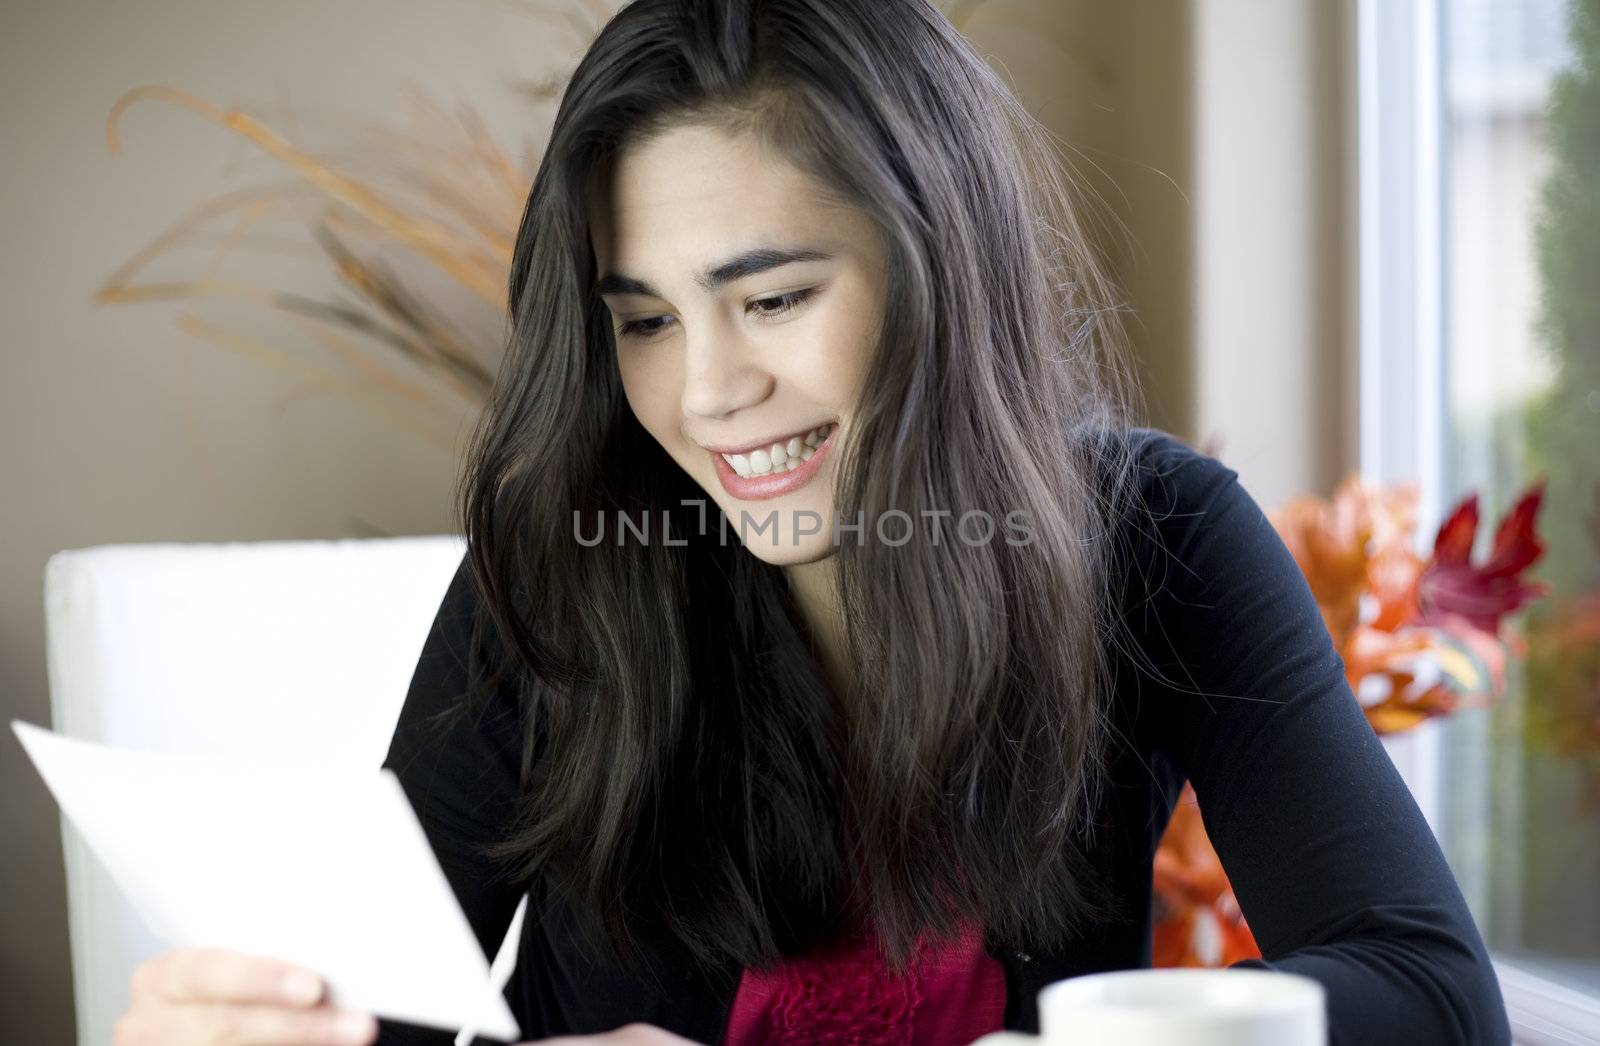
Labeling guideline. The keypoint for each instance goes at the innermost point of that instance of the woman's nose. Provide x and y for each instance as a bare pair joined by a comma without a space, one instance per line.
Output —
721,375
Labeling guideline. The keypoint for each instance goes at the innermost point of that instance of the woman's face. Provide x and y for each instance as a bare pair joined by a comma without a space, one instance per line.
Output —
745,308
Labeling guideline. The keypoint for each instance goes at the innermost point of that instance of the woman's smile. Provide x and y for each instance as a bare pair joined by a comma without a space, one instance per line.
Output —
771,469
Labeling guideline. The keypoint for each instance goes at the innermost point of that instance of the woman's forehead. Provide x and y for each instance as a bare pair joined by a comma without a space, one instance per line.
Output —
694,177
685,200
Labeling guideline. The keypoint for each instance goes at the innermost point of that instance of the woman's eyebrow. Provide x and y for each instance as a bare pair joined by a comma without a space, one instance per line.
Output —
745,263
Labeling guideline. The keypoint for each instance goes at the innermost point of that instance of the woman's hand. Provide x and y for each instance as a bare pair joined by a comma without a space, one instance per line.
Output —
224,998
627,1035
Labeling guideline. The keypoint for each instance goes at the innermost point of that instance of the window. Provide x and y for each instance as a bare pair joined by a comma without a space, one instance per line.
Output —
1480,371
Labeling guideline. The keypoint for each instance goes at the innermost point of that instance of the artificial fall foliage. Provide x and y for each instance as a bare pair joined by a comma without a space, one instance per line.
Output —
1419,638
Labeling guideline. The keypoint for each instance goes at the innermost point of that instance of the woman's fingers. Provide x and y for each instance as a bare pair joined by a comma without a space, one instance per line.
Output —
247,1024
214,997
216,975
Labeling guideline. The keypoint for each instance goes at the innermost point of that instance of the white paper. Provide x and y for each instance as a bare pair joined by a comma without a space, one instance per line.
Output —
323,867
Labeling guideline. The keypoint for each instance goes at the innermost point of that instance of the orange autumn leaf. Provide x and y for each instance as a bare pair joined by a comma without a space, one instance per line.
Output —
1187,869
1329,540
1201,937
1355,552
1199,922
1394,576
1396,714
1372,649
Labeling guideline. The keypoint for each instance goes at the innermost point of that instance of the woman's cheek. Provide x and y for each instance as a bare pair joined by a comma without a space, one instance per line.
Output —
835,359
651,388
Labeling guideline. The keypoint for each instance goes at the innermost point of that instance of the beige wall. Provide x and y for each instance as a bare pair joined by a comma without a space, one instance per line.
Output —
117,428
1219,135
1275,221
1112,83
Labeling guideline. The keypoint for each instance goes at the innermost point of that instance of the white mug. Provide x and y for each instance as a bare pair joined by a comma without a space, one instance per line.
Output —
1178,1007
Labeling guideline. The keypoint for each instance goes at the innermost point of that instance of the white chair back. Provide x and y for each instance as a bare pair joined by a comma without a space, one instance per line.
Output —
297,649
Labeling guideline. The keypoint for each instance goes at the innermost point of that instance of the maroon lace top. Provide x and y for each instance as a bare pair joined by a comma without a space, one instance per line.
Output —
954,992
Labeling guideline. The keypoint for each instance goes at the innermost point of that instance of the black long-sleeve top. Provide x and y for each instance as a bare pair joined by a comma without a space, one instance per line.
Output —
1334,866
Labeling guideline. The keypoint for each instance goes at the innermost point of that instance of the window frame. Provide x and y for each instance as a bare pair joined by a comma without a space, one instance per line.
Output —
1401,366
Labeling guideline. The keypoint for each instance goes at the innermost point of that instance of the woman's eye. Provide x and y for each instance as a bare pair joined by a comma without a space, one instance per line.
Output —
639,328
773,306
781,303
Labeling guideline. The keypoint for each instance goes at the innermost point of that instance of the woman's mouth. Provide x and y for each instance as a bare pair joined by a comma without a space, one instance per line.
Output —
776,468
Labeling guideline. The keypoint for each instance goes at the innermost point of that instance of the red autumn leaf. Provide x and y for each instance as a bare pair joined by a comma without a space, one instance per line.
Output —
1484,593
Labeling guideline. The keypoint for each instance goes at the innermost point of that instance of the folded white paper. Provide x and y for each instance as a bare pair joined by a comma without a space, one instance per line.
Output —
323,867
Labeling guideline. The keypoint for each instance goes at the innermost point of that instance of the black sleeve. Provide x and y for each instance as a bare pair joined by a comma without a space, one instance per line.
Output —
461,773
1333,864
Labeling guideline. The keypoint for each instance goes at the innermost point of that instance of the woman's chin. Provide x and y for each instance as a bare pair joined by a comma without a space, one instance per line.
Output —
811,548
782,531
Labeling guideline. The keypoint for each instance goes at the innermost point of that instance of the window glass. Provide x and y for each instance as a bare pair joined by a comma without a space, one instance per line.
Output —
1519,790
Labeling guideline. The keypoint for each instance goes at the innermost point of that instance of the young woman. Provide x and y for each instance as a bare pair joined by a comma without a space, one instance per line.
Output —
832,643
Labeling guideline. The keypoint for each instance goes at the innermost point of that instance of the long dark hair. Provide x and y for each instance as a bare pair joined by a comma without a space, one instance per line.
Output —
692,784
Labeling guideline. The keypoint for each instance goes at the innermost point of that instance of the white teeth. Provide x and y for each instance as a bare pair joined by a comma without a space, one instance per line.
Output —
780,457
815,437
